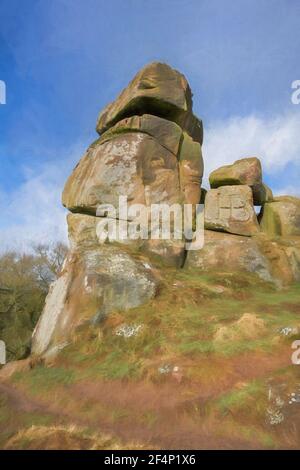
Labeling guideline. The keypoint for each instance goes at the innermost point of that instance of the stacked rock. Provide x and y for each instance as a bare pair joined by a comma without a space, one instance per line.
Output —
149,151
236,238
229,206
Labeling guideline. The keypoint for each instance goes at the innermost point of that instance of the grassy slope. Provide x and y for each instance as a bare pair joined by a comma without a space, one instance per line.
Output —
224,393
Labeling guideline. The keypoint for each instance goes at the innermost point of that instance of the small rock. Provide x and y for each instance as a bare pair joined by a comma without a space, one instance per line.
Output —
165,369
177,374
274,417
249,326
288,331
127,331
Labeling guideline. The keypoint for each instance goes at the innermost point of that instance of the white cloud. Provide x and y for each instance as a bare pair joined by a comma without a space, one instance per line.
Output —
33,213
289,190
276,141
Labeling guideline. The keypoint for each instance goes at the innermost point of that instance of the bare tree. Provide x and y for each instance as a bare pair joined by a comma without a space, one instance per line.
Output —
49,261
24,283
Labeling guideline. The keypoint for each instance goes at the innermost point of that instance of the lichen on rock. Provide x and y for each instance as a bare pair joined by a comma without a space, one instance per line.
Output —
149,151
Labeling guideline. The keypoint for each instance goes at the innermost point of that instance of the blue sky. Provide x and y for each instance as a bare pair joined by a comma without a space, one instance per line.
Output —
64,60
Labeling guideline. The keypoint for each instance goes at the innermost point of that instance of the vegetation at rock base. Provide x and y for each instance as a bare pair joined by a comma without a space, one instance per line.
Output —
24,283
161,375
144,342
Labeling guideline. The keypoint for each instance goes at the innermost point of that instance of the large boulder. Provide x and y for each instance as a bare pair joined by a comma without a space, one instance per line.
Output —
149,152
277,262
149,149
281,217
246,171
283,256
95,280
85,232
262,194
230,209
167,133
159,90
131,164
227,252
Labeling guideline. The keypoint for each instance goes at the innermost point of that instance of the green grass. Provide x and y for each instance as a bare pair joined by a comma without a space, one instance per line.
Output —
114,366
251,398
198,347
253,433
182,321
148,418
178,328
44,378
4,409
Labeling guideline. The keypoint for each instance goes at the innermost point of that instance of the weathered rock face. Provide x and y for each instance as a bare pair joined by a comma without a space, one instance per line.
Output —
262,194
281,217
283,256
229,253
84,233
133,165
190,170
247,171
158,90
95,280
150,152
230,209
277,262
149,149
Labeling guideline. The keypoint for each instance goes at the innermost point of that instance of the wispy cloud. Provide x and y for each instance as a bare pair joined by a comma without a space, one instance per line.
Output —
275,140
32,212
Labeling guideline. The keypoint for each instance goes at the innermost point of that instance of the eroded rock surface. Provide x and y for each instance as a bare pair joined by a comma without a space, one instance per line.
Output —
95,281
230,209
281,217
133,165
274,261
159,90
149,151
246,171
228,252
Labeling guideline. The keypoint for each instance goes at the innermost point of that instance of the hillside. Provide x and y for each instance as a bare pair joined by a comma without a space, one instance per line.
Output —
173,321
209,367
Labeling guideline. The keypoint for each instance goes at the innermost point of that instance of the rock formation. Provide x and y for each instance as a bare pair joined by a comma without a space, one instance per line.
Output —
230,208
281,217
268,245
247,171
149,150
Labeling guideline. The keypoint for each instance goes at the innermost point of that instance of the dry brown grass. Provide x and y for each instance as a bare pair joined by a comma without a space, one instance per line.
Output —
111,386
65,437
